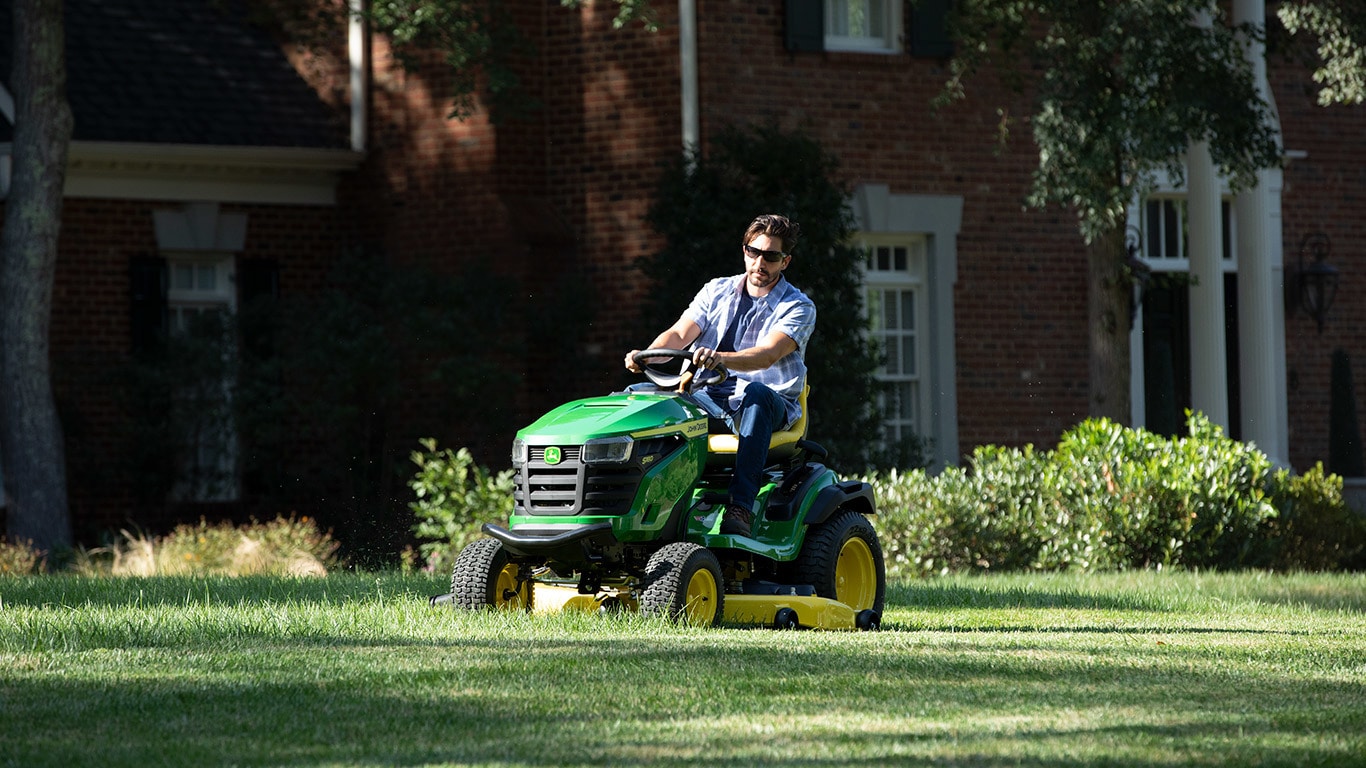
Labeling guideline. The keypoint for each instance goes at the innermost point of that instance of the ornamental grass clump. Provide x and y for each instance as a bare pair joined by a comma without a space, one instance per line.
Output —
281,547
19,558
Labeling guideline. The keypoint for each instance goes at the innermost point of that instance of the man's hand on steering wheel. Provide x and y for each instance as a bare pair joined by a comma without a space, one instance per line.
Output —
648,361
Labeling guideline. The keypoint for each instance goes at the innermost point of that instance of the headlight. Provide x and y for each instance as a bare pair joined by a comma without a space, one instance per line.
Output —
518,452
607,450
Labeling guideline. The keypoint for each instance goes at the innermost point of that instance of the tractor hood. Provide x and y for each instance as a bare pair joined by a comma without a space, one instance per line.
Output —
636,415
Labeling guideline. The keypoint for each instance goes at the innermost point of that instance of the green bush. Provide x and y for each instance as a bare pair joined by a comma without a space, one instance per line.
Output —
1315,529
455,497
1110,497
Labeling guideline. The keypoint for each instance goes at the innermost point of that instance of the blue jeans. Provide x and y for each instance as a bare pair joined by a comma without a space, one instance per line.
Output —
761,412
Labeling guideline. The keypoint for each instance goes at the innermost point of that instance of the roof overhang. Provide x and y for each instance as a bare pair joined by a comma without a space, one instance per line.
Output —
188,172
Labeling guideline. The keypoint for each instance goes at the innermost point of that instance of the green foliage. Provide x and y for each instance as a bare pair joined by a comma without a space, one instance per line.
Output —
19,558
454,498
285,546
1315,530
704,203
1339,30
1109,497
1122,91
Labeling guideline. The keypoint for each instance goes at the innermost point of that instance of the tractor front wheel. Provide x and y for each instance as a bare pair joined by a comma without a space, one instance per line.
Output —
683,583
484,577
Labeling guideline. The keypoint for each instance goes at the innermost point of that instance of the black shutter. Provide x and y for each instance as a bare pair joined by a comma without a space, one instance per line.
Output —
805,25
929,28
258,289
147,287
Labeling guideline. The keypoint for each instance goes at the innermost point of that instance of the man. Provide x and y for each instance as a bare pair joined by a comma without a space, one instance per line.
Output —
757,325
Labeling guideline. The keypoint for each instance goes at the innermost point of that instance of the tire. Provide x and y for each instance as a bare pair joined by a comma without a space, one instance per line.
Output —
484,577
842,559
683,583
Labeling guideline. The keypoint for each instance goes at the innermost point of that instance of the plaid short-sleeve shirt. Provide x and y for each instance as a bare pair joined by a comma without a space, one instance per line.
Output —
784,308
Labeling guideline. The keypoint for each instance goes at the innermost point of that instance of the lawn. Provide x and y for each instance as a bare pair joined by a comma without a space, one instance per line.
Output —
1144,669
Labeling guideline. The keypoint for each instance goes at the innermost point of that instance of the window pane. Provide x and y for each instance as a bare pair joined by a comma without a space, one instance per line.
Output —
908,310
184,277
874,299
1153,212
899,255
1171,246
893,353
907,391
889,303
883,259
838,19
208,277
908,355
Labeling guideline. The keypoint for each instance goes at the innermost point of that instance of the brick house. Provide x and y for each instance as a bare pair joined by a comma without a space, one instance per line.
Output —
210,163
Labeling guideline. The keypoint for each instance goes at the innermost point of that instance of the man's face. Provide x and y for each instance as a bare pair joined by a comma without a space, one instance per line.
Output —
759,271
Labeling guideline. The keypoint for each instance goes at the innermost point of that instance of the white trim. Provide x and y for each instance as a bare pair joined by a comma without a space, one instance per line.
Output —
185,172
939,218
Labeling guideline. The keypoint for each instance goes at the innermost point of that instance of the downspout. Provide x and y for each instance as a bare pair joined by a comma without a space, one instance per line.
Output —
687,66
356,51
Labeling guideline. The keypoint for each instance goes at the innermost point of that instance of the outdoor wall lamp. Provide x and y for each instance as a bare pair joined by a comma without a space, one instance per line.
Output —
1313,287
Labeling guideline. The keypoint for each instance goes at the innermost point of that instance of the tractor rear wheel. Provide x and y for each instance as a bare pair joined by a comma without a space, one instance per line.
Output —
842,559
683,583
484,577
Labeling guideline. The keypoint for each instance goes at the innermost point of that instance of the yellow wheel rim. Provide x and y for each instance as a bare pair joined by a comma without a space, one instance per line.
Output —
701,598
506,594
856,575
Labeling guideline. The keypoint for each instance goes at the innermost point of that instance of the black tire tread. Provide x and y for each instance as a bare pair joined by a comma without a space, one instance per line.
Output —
667,575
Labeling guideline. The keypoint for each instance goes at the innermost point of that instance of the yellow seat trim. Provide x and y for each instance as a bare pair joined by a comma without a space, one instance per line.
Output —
730,443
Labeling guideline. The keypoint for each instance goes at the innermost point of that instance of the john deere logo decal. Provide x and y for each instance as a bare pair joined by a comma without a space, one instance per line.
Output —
552,455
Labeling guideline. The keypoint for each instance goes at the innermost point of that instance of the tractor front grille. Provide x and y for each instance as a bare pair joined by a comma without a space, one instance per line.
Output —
572,487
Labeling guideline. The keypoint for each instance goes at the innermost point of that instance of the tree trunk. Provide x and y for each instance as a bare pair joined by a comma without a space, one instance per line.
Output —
31,445
1109,308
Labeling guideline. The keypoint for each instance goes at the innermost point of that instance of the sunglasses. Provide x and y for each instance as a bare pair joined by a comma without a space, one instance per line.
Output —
772,257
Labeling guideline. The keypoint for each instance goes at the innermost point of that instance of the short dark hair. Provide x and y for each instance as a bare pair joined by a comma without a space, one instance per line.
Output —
775,226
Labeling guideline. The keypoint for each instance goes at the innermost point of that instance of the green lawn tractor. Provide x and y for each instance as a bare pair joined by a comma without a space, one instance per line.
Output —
618,503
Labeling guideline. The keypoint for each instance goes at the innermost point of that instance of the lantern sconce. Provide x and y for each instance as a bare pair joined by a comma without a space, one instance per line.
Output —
1313,286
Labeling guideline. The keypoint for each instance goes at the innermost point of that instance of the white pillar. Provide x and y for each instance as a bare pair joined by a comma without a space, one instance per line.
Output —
687,73
1209,368
1261,314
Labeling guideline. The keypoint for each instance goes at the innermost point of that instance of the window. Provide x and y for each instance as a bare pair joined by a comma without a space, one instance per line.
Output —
200,300
863,25
894,291
1165,237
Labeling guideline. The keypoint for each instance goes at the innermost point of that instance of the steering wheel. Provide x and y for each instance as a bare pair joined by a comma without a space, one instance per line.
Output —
688,380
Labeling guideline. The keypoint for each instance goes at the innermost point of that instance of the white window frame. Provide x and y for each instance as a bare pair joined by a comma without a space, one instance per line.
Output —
906,273
888,12
215,445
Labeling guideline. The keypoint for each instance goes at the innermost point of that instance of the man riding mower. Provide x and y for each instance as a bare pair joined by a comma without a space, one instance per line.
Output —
618,506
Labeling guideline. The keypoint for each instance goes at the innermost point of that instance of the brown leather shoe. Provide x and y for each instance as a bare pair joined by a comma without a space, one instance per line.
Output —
737,521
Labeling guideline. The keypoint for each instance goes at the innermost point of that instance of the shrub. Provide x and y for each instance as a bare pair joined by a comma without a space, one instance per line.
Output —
455,497
1112,497
1315,529
19,558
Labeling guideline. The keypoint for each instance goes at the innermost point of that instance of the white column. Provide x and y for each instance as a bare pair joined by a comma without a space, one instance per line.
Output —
687,73
1261,315
1209,369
